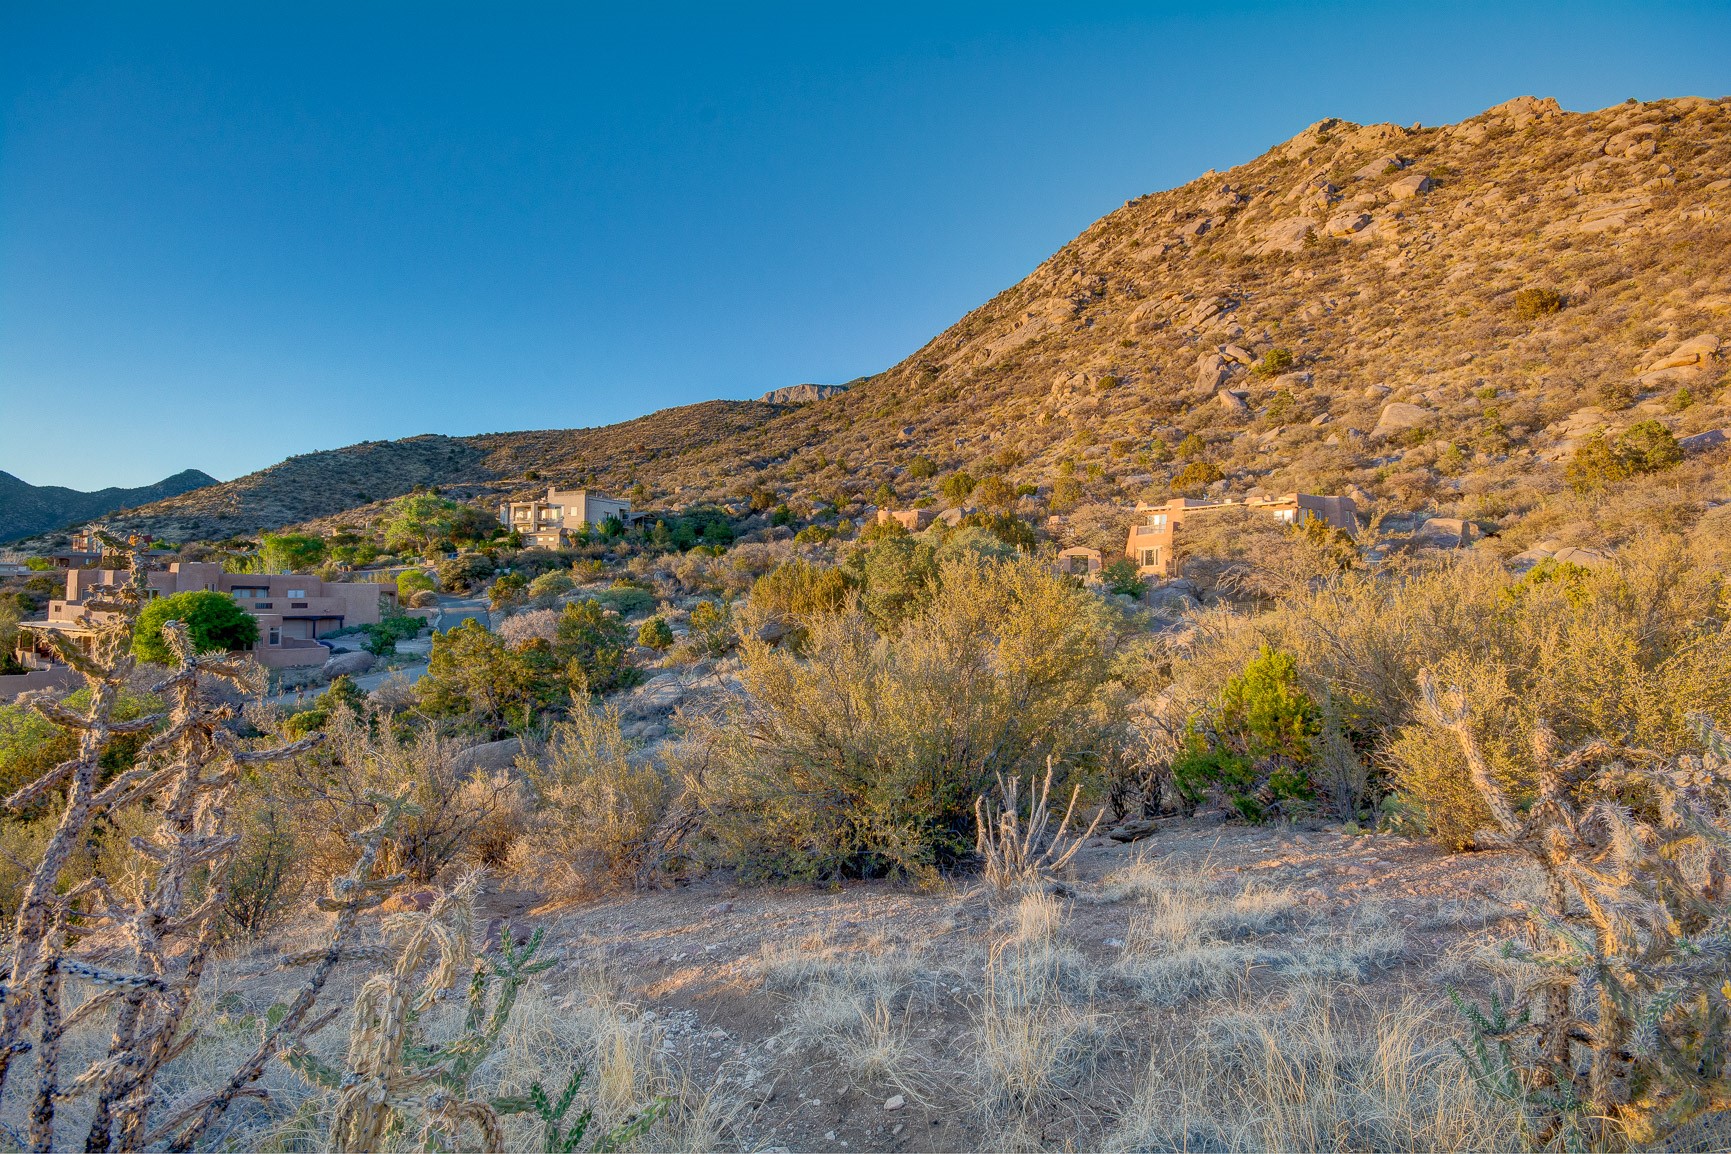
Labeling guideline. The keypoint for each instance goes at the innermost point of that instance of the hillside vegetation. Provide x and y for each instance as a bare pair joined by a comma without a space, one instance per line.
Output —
1510,285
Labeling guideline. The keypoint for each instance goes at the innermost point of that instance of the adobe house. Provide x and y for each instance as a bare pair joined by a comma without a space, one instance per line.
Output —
1154,534
557,521
1080,561
293,610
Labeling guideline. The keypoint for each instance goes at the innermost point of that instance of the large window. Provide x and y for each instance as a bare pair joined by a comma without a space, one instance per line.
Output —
297,592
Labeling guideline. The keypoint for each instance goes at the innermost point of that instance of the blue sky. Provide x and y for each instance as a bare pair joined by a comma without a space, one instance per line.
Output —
234,232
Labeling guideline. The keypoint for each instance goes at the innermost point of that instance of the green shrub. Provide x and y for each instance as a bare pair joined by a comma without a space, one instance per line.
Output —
545,588
462,573
655,634
922,468
994,493
1008,528
1274,362
1196,476
711,627
508,589
1646,447
383,635
412,581
1120,576
213,621
1255,745
957,486
625,599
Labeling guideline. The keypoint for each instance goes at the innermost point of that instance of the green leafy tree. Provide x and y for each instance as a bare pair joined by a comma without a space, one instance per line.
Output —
290,552
213,621
591,642
507,590
419,521
473,672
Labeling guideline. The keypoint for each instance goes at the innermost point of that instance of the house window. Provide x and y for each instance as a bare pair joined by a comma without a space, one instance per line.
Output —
1150,557
275,635
1157,521
297,592
1286,515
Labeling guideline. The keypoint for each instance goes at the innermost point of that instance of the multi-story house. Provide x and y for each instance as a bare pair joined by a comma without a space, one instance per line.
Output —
561,518
293,610
1155,534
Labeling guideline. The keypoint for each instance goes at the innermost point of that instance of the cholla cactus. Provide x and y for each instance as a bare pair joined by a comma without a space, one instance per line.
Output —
1622,1030
1018,853
392,1078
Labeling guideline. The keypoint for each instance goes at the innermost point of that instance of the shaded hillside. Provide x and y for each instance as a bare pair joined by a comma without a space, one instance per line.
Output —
320,485
26,509
1460,306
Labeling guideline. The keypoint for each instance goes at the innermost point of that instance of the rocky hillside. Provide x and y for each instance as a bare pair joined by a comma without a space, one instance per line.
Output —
26,509
1428,318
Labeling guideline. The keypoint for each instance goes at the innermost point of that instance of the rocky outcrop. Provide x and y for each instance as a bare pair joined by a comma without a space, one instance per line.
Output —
348,664
802,394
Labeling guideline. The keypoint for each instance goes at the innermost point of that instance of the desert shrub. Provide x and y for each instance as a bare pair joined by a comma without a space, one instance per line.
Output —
545,589
625,599
865,755
1254,745
655,634
474,674
921,468
1196,476
597,806
1120,576
957,486
519,629
1245,552
331,792
265,878
796,591
895,574
31,745
507,590
993,492
1646,447
213,621
341,694
290,552
711,627
1532,303
1008,528
1191,447
1274,362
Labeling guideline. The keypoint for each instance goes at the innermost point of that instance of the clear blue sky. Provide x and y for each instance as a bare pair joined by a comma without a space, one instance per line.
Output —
234,232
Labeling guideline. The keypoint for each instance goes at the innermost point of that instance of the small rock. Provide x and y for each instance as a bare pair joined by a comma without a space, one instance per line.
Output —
1132,831
895,1102
718,909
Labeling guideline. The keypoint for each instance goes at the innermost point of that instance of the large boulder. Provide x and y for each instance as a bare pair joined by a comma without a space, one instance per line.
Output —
1286,236
1400,416
1411,185
1446,533
1694,353
349,664
1701,442
1346,223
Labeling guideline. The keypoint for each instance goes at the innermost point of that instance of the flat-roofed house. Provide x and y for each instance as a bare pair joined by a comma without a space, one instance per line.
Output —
560,518
293,610
1156,532
1080,561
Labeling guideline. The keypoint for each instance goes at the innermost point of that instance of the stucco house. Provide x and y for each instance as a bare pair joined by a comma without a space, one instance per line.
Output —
1157,531
293,610
1080,561
557,520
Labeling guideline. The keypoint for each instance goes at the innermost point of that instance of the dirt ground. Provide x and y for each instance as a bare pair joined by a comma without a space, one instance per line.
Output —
856,1017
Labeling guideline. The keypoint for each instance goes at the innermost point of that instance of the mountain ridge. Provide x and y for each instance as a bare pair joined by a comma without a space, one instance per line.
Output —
27,509
1343,313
